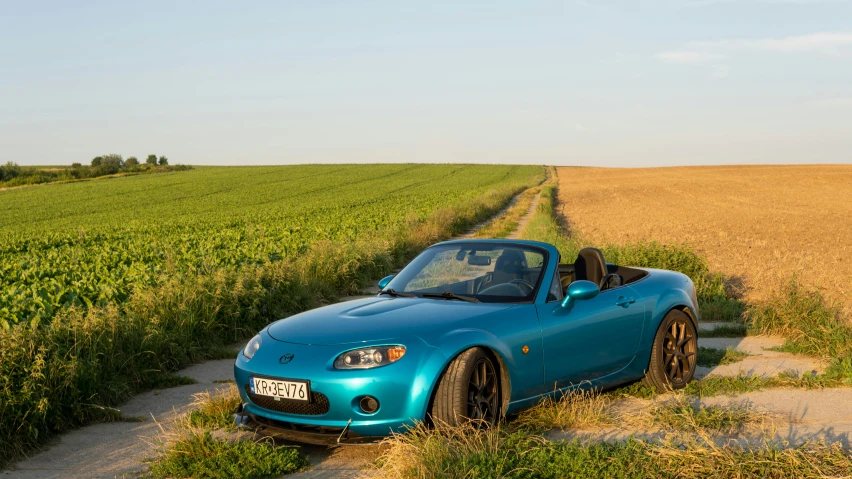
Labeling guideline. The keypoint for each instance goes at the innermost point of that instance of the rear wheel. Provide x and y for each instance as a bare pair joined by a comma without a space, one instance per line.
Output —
469,389
673,354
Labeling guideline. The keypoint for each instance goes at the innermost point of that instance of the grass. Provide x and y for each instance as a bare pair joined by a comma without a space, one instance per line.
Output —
200,444
710,357
682,413
809,325
214,410
572,410
503,452
725,331
61,374
679,411
196,453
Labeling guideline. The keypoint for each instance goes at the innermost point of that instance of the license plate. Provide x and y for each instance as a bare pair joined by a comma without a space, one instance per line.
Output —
279,389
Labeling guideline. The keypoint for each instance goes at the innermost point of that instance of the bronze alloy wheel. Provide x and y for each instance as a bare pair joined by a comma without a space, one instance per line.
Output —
482,392
679,351
468,390
673,353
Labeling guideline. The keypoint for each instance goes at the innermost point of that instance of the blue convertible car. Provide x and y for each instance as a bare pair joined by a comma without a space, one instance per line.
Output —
469,329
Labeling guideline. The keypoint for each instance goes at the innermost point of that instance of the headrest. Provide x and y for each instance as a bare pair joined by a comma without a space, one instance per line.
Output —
511,261
590,265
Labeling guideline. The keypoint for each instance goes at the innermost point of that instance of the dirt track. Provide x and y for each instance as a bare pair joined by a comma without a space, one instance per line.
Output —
522,223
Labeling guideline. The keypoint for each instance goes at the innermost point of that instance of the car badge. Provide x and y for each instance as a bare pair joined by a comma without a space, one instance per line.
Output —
286,358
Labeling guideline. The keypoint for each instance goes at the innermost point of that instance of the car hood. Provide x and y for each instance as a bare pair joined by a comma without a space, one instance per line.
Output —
377,319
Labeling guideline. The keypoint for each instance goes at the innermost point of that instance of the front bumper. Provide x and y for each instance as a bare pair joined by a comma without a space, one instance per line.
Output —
402,389
319,435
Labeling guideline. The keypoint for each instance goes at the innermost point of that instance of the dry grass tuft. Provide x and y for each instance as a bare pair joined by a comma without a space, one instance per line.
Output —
686,414
435,451
187,452
214,410
577,409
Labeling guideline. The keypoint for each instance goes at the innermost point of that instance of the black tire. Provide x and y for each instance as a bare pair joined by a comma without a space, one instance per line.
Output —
458,398
673,353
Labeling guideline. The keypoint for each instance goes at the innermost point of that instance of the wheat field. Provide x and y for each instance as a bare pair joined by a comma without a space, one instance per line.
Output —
759,225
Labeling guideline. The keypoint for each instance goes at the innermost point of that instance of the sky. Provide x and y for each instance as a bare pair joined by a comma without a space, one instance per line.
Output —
574,82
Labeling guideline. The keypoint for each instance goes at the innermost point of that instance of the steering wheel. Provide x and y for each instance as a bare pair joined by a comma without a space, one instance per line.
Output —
523,282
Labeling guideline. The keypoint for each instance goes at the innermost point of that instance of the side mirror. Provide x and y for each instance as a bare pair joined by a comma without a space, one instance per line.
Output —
384,281
578,291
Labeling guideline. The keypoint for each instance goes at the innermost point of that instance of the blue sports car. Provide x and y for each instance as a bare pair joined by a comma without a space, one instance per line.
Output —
469,329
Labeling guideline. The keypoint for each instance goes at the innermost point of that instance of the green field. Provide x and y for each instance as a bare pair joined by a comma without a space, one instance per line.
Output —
108,286
93,243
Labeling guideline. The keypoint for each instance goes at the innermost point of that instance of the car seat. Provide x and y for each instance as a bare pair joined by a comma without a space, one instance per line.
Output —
510,265
590,266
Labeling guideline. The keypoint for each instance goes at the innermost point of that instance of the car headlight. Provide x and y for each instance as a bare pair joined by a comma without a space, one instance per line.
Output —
366,358
252,347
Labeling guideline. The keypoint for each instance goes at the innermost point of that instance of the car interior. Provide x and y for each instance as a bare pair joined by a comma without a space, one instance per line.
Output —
590,265
512,277
493,274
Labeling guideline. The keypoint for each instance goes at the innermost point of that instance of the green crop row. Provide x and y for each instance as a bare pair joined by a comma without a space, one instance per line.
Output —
92,244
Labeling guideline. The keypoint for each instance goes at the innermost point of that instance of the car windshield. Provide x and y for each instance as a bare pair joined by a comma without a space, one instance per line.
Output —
487,272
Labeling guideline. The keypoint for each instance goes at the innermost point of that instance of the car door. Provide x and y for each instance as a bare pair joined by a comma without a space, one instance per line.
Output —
593,338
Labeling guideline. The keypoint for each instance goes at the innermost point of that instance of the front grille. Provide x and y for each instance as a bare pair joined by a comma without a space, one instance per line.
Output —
318,404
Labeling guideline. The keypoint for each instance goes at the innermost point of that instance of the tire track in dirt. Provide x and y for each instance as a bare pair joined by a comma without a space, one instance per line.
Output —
522,223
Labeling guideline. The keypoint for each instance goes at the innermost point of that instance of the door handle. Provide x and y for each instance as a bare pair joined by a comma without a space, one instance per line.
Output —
625,301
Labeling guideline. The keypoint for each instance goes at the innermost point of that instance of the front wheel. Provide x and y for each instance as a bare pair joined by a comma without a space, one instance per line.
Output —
673,354
469,389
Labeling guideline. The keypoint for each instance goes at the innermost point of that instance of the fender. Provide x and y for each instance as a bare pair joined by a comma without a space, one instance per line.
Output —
662,292
671,299
456,342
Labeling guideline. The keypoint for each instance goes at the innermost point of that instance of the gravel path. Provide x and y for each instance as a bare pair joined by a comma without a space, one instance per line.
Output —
762,361
111,449
795,417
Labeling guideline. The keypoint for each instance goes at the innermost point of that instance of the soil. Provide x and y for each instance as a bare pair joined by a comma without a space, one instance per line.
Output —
758,225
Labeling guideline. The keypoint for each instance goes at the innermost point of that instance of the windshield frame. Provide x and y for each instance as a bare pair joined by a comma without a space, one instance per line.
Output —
479,246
